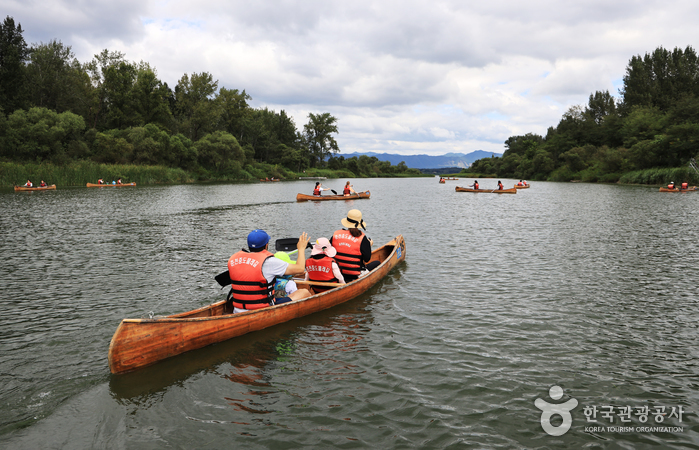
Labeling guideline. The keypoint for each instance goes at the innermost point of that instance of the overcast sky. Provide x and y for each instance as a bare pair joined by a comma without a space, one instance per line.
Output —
407,77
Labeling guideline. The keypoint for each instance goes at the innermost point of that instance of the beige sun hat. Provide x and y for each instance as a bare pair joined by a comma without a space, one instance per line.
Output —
354,219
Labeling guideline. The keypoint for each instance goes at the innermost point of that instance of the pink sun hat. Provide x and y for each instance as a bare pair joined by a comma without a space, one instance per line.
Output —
323,245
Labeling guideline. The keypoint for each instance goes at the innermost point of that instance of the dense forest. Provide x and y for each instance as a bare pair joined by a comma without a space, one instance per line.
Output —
647,135
58,111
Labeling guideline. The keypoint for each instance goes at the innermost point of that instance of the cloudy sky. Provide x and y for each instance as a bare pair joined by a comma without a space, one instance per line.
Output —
407,77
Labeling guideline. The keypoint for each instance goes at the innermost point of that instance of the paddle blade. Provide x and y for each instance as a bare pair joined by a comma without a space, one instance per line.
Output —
333,191
288,244
224,278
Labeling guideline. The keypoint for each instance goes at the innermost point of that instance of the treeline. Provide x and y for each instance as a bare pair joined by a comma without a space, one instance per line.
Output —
653,125
55,109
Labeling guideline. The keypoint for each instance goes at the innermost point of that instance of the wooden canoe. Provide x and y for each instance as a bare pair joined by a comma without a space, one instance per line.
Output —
110,185
526,186
318,198
689,189
51,187
496,191
141,342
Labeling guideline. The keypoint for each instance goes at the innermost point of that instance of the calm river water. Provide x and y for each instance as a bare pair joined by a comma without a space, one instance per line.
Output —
591,288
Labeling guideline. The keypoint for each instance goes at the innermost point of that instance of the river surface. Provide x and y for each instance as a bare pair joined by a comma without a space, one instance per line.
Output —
591,288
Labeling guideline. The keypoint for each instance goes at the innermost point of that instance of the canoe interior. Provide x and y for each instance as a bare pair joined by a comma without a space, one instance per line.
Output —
219,309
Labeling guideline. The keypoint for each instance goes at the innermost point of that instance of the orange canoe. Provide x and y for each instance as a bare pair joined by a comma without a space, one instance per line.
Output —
141,342
51,187
493,191
689,189
318,198
526,186
110,185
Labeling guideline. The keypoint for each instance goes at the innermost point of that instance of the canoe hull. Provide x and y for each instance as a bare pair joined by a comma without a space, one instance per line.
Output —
689,189
496,191
51,187
526,186
110,185
319,198
141,342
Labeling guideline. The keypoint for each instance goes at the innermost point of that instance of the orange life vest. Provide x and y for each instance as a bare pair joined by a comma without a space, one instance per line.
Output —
321,269
475,186
500,186
685,185
346,190
349,252
249,288
520,184
316,191
671,186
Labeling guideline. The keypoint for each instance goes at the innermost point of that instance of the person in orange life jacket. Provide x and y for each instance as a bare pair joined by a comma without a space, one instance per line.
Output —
474,185
684,185
520,183
500,186
43,183
119,181
321,266
348,190
253,273
28,184
100,181
671,185
353,247
318,189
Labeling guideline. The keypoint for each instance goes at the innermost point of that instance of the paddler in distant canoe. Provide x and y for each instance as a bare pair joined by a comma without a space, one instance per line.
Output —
253,273
319,189
671,185
474,185
348,190
500,186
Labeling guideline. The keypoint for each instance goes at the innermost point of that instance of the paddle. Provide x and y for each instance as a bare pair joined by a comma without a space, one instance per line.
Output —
333,191
285,245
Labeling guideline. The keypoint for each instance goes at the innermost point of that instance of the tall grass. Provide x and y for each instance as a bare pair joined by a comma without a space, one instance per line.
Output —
82,172
661,176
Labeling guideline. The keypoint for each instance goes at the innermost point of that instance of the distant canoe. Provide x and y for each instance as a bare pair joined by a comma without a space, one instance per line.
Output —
110,185
442,181
526,186
689,189
495,191
269,180
318,198
51,187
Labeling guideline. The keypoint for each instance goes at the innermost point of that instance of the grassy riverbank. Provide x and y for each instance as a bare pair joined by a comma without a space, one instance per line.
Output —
82,172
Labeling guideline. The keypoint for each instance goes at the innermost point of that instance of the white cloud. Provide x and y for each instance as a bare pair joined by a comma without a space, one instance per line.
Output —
400,76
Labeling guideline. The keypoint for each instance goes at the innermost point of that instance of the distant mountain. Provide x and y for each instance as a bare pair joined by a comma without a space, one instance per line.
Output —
426,161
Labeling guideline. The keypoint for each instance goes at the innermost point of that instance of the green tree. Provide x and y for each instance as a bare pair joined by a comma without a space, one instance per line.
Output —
55,79
220,152
195,107
150,98
318,137
14,55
